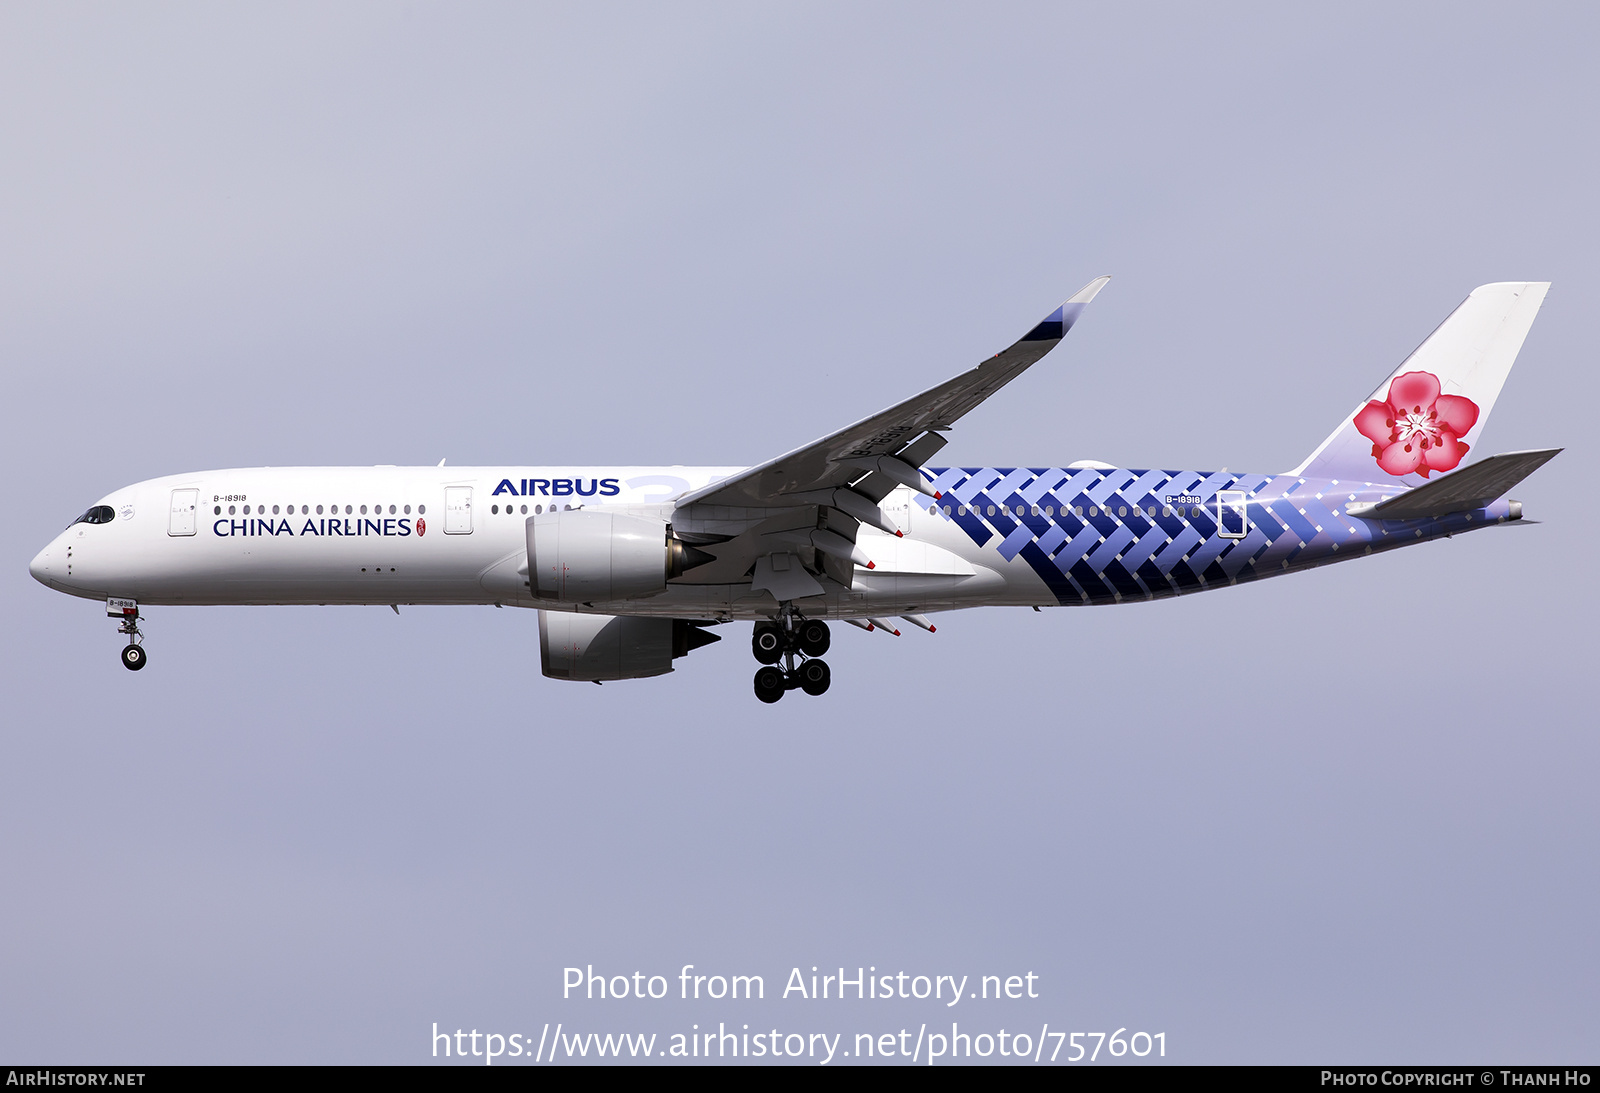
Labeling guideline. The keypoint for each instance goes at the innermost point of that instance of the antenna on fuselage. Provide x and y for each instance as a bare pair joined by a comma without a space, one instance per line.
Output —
441,462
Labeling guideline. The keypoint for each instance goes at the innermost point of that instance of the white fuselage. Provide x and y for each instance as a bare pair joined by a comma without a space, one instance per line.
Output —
444,535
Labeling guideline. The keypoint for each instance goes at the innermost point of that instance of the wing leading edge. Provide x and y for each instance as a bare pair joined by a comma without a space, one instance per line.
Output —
884,450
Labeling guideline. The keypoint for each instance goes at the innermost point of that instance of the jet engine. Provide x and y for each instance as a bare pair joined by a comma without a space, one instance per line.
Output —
578,556
605,647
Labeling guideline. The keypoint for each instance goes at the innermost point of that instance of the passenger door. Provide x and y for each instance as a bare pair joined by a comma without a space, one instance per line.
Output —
185,504
458,510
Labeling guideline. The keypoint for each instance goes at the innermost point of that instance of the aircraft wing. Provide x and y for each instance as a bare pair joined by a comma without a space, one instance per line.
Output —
884,450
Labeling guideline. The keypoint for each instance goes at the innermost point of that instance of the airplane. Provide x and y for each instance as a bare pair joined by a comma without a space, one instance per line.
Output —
631,568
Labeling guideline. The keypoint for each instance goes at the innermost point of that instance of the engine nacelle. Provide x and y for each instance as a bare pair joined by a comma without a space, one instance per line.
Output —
606,647
576,556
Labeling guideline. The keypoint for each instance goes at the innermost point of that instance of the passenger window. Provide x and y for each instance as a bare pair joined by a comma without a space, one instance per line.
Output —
422,510
391,510
347,510
524,510
494,510
408,510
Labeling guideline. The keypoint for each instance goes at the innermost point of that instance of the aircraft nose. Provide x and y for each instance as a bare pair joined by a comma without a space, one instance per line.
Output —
40,566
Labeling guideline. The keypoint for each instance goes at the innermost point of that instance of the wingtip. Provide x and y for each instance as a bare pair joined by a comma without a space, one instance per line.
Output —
1090,290
1059,321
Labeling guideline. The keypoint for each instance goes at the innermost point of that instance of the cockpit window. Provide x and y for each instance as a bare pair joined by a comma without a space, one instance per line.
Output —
100,514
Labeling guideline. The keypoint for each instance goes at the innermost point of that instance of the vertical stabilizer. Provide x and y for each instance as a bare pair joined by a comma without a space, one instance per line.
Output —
1428,414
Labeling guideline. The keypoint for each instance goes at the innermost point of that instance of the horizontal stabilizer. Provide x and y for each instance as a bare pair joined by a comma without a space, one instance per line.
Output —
1464,491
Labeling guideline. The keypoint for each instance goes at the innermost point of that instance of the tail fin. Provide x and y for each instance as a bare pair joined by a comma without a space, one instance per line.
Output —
1429,413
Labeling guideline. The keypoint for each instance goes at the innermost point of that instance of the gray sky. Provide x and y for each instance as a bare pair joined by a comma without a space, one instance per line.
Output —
1345,816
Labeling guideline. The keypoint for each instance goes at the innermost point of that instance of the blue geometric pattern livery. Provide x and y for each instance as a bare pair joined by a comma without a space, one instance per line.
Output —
1096,536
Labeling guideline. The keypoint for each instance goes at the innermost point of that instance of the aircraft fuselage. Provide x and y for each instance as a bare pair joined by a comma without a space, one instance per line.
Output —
457,535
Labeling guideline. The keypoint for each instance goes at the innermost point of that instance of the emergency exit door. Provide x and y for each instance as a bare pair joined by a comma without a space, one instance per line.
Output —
185,504
458,510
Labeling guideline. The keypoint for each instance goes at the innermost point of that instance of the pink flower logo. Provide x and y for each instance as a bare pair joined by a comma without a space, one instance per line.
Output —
1418,429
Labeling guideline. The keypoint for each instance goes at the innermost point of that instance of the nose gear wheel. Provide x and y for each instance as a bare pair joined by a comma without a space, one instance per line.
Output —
133,654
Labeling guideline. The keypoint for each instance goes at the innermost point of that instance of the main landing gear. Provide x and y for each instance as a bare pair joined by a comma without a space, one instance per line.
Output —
133,655
791,648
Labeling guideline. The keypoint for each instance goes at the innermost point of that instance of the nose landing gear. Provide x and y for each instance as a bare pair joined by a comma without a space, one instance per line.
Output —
133,655
796,644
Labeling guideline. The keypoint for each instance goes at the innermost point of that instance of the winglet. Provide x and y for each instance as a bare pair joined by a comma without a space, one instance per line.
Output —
1059,321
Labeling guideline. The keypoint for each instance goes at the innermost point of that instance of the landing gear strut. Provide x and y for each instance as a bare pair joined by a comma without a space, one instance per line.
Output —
795,644
133,655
